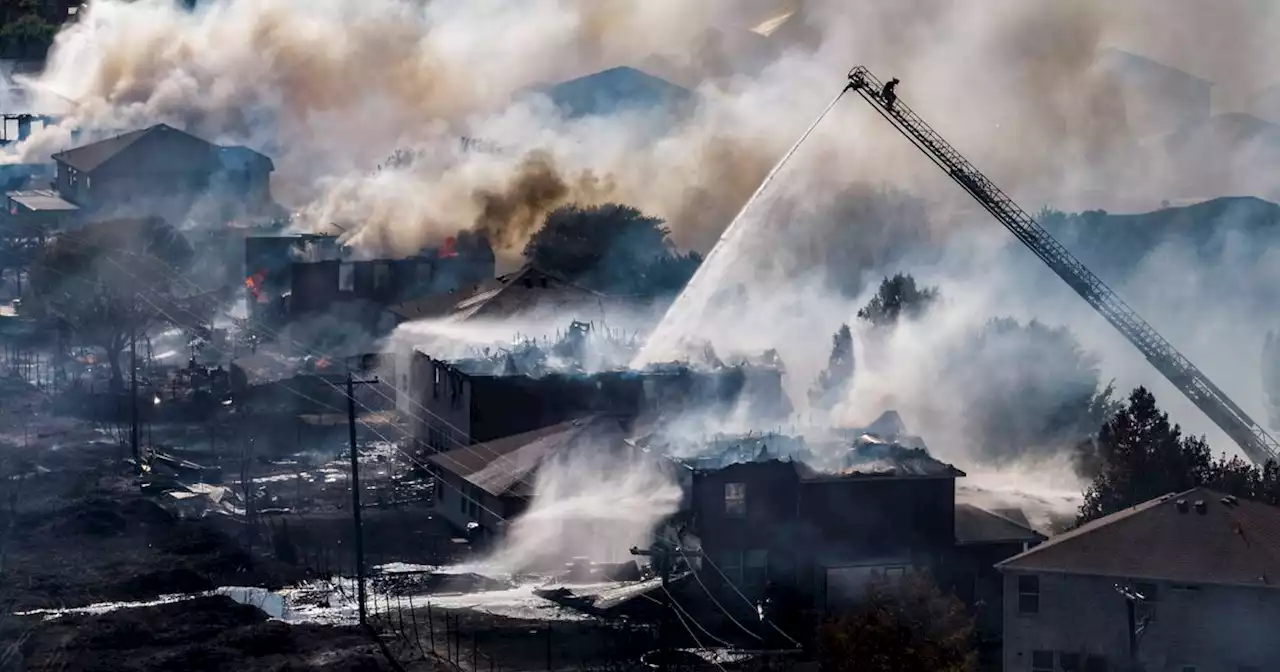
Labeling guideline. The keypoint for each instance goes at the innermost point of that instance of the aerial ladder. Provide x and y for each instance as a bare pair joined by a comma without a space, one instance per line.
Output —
1254,441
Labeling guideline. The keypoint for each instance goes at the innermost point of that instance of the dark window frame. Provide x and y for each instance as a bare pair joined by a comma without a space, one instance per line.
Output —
1028,595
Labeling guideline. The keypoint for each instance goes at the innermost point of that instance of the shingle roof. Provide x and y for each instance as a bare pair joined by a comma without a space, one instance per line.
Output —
979,526
1232,542
506,466
88,157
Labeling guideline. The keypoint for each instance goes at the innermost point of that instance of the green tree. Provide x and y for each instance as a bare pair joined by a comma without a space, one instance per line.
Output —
611,248
103,283
27,27
1143,456
898,297
902,626
835,379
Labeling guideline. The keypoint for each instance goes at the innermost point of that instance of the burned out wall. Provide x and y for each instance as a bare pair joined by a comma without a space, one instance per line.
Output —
771,522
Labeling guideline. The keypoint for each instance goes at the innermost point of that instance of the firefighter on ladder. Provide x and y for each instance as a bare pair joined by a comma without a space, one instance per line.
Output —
887,94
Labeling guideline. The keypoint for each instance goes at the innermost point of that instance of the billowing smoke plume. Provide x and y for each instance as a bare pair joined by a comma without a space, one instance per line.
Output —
330,88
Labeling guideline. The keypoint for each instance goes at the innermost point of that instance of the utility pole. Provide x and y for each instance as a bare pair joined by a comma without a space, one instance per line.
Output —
1131,598
133,394
663,559
355,490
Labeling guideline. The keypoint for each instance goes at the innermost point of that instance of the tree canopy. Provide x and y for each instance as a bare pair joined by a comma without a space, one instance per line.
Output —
835,379
611,248
902,626
1026,388
1143,456
27,27
898,297
106,281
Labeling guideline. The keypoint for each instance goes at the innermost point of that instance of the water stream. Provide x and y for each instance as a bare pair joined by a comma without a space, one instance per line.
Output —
664,341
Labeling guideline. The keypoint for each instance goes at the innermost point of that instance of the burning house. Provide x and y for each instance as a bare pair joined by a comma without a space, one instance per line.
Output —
807,522
506,391
290,277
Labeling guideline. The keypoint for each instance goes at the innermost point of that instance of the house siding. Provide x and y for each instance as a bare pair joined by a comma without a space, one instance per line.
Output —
1211,628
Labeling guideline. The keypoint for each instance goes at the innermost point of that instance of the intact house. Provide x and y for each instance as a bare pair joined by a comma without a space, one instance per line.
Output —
162,171
1187,581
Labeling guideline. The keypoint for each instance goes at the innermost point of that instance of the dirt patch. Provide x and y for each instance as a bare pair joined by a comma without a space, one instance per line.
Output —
201,634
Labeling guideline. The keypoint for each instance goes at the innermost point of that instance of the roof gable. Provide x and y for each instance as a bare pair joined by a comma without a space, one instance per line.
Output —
979,526
1231,542
177,145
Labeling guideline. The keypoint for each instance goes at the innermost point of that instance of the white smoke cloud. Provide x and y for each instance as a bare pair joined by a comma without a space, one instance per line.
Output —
329,88
589,502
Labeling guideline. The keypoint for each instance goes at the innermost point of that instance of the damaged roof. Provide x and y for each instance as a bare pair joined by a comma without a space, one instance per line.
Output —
502,297
979,526
1199,536
506,467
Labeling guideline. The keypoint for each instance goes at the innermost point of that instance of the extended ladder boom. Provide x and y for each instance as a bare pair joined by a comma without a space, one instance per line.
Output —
1257,445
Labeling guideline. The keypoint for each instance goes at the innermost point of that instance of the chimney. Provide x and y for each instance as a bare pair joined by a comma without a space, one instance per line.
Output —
1182,505
1200,507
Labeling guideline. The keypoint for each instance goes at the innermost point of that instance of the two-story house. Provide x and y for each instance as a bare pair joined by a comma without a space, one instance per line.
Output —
164,172
1187,582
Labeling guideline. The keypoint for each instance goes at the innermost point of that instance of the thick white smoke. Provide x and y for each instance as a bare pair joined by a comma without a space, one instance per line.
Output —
591,502
329,88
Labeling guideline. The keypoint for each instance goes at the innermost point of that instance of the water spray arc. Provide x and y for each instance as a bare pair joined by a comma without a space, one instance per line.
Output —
1253,440
708,277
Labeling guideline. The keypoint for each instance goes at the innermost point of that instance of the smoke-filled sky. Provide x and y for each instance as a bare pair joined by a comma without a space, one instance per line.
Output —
329,88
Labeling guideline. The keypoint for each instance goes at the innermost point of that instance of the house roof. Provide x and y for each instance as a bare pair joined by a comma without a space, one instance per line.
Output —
503,296
506,466
41,200
979,526
1231,542
90,157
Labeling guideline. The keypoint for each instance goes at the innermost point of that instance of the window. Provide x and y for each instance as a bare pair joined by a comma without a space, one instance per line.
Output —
735,499
1042,661
1028,594
1095,664
1068,662
381,275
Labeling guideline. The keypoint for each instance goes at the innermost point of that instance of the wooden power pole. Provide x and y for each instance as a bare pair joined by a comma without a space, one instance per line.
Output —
355,492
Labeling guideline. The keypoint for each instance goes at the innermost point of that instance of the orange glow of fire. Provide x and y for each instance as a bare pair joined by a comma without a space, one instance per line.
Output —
449,249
